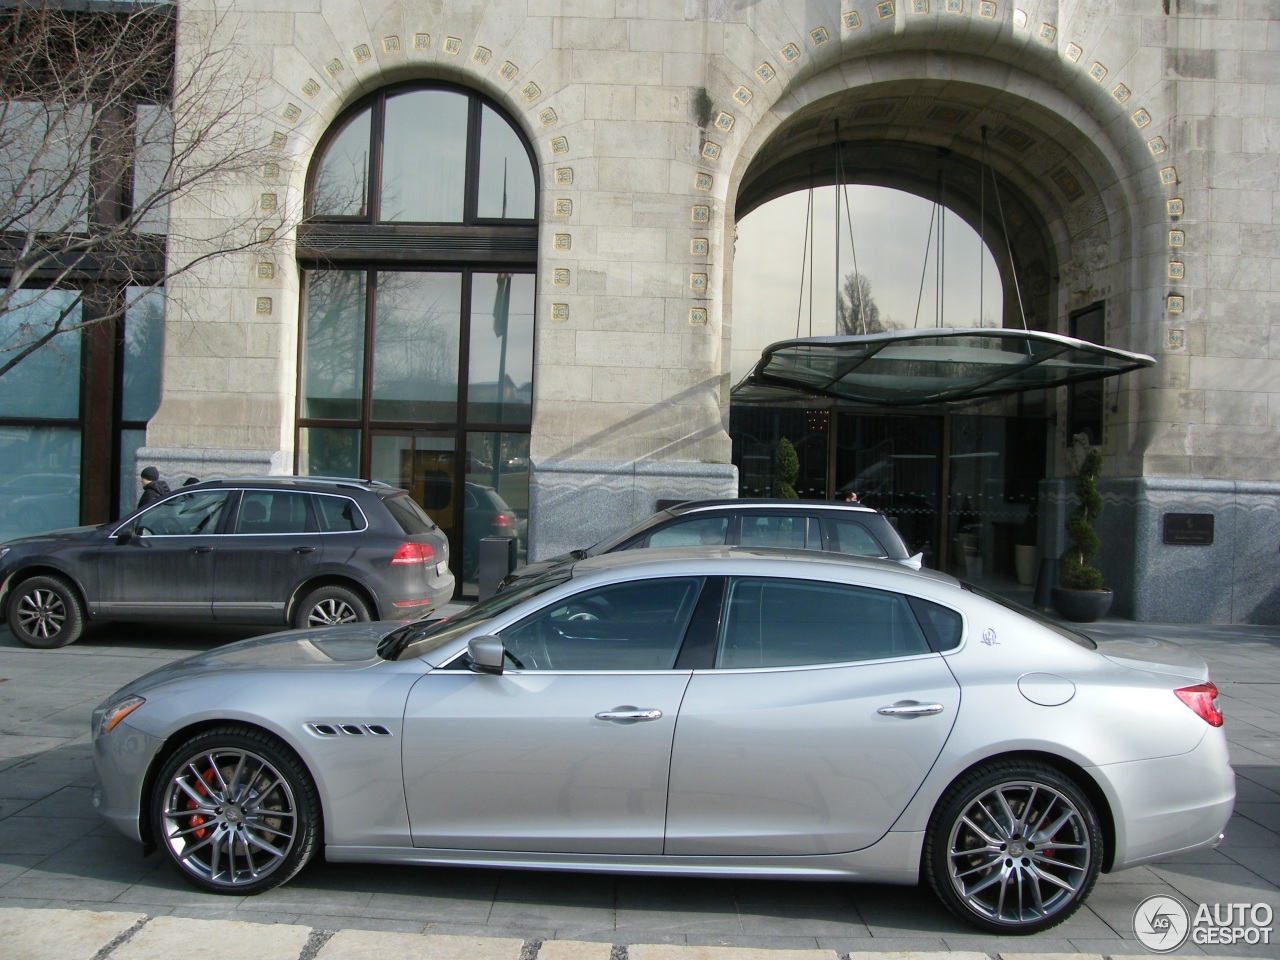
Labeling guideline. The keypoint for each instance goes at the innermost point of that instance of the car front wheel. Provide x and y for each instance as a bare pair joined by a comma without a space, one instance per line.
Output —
235,812
330,606
1013,847
45,612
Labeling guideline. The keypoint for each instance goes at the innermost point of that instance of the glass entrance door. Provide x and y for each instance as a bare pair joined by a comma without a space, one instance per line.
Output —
894,463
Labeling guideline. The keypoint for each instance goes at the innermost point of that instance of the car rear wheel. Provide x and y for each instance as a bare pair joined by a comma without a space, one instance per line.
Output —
330,606
235,811
1013,847
45,612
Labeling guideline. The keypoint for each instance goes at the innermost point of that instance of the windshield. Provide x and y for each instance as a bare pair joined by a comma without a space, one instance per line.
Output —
1072,635
415,640
612,543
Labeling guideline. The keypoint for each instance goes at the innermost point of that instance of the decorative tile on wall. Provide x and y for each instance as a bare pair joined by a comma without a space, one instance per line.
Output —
560,145
699,247
703,181
311,88
422,41
1074,53
452,46
851,21
482,55
700,213
560,312
884,10
391,44
361,53
263,305
509,71
564,208
1175,206
819,36
987,10
698,316
1177,270
1140,118
1177,238
564,176
742,95
562,241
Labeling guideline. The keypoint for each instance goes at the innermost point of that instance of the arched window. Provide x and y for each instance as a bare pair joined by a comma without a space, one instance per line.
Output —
416,344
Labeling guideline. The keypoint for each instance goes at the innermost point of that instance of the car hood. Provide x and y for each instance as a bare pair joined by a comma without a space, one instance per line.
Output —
50,536
350,647
1150,653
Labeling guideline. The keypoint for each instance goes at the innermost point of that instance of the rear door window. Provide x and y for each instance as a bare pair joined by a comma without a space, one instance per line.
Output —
785,623
338,514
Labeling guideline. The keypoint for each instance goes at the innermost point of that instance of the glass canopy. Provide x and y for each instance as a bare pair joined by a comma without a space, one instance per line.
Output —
933,366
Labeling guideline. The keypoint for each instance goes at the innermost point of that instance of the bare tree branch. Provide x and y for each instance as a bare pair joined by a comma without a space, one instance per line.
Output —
104,125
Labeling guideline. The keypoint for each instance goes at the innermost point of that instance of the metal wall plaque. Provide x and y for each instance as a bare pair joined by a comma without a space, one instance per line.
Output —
1188,529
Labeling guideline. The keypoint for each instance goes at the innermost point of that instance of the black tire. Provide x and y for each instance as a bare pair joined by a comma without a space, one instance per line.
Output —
1013,847
45,612
330,606
235,811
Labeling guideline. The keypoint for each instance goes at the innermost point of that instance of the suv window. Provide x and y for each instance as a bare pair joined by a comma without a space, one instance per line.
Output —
786,623
338,514
688,533
851,537
273,511
774,530
185,515
411,517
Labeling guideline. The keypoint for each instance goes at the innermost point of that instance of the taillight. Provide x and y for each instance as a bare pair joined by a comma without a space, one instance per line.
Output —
1203,699
414,553
503,520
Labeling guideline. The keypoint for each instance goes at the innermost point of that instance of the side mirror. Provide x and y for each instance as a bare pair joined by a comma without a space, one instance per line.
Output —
485,654
125,536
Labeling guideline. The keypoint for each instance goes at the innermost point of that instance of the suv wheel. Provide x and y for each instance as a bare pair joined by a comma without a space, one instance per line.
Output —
45,612
329,606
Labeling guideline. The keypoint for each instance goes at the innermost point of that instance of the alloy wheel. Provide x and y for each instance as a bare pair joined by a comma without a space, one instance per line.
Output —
1020,853
42,613
230,818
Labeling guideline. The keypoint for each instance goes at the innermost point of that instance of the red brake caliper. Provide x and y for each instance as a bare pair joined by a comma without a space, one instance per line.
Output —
196,819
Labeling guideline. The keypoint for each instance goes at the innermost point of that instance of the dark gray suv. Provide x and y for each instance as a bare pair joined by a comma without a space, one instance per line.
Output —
305,551
799,524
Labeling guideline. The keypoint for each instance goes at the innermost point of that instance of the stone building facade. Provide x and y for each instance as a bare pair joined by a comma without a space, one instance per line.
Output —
1135,143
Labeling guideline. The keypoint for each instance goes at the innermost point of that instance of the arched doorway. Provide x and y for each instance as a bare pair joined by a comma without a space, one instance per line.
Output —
964,481
417,254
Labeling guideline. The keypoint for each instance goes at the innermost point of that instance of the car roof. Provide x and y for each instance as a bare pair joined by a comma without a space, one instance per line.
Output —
301,483
770,503
725,560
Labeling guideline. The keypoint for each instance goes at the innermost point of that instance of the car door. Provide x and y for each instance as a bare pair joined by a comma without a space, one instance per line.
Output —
163,568
271,545
566,751
822,715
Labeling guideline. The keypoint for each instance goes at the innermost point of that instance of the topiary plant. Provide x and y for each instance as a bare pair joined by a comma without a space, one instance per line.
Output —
786,467
1075,571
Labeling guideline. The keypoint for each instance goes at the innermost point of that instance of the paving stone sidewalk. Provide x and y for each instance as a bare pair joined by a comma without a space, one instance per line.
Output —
70,887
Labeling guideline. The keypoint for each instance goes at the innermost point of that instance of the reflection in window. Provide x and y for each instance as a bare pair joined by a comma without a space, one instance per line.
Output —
781,623
143,353
153,143
186,515
329,452
44,165
507,188
415,346
500,384
630,626
341,185
497,487
424,159
39,480
333,358
704,530
47,383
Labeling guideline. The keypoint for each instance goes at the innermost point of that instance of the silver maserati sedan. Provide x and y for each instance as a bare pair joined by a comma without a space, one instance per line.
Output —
709,711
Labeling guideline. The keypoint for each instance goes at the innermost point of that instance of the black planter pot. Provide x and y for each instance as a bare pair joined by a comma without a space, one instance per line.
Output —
1082,606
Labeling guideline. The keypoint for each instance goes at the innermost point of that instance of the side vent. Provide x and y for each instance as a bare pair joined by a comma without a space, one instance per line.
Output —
328,730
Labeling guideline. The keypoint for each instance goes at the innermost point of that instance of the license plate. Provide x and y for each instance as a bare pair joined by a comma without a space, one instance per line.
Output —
442,568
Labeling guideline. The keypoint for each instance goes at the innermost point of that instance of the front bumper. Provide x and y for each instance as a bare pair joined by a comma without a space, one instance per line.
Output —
122,759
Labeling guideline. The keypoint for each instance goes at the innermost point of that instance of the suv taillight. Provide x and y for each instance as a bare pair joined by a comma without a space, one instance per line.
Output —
1202,698
414,553
504,520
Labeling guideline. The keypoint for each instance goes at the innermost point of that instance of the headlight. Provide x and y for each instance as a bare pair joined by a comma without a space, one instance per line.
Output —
114,713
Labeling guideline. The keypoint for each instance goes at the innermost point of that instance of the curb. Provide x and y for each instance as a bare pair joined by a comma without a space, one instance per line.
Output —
58,934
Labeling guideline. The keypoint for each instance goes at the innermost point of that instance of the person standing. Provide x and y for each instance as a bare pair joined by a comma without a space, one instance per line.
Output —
153,488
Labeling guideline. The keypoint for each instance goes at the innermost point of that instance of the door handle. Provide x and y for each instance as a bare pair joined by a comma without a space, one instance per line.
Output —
629,714
304,549
202,549
910,708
